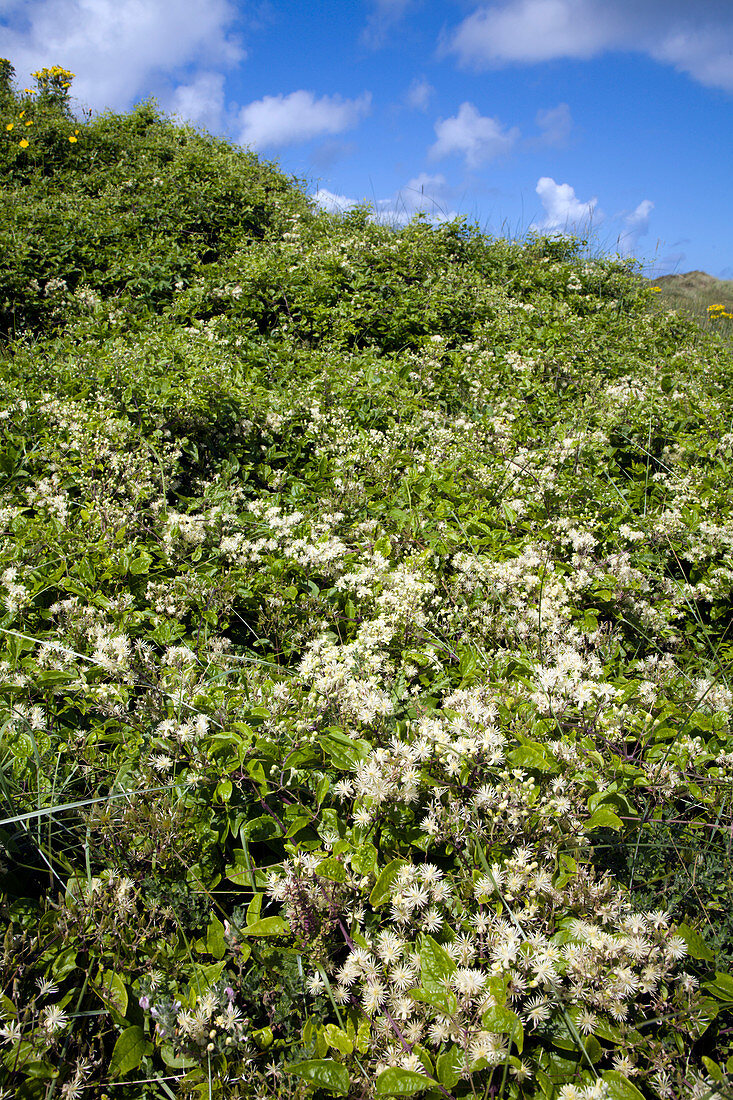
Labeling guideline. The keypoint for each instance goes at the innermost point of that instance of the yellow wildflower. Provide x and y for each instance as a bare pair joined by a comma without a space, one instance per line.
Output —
10,126
29,122
72,138
23,144
656,289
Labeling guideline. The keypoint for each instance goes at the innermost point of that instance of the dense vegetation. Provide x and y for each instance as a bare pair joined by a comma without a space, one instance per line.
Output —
365,644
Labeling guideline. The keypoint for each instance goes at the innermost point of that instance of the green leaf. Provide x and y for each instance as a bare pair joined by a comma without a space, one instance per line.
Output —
175,1061
263,1037
260,829
436,965
401,1082
364,858
338,1039
254,909
241,872
696,946
605,818
224,790
344,752
331,869
721,987
141,564
113,991
504,1022
129,1051
449,1066
324,1073
297,825
204,977
382,887
608,1031
322,789
713,1069
268,926
215,940
257,772
532,755
593,1048
437,996
619,1087
363,1035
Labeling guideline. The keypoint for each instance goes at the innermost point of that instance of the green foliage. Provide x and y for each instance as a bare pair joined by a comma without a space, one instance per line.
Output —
111,216
364,646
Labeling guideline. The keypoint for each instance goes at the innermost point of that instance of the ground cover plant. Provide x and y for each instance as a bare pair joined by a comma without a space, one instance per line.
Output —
365,644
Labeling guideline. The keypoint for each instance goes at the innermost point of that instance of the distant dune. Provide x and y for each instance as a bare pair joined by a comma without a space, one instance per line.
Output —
693,292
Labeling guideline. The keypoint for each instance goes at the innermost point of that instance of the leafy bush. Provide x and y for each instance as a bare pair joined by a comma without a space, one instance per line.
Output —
365,645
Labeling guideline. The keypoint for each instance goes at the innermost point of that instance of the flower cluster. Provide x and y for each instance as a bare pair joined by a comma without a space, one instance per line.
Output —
209,1024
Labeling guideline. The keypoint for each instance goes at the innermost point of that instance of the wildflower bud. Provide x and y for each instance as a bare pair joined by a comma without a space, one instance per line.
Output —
210,1047
212,1033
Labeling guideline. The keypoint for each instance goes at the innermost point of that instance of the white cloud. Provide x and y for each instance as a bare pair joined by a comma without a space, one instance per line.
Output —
635,226
473,136
695,37
384,15
530,30
287,119
335,204
563,209
202,101
424,193
555,125
119,48
419,94
431,194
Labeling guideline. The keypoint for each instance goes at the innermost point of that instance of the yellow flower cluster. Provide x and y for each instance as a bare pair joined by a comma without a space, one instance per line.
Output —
718,310
54,79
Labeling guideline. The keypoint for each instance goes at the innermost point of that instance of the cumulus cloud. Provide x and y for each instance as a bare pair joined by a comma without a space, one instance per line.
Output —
564,211
532,30
278,120
476,137
696,38
635,226
202,101
419,94
120,48
555,125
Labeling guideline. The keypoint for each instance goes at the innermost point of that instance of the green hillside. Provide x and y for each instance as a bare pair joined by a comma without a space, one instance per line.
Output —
697,294
365,644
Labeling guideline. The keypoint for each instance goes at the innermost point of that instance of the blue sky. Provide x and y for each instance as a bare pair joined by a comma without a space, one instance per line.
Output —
612,118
